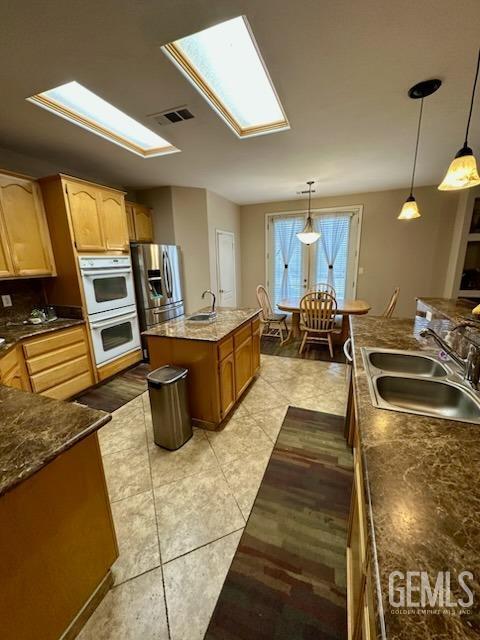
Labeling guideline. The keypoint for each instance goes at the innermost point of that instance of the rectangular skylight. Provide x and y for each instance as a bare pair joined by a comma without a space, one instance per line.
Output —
79,105
223,62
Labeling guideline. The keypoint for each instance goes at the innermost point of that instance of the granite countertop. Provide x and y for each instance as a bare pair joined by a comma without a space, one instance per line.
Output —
455,309
36,429
14,333
422,492
227,320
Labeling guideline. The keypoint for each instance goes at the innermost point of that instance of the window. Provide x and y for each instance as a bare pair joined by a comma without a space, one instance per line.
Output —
309,265
81,106
223,62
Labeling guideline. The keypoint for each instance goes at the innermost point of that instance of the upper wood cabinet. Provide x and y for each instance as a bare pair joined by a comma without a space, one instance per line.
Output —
140,222
99,220
114,221
25,248
85,214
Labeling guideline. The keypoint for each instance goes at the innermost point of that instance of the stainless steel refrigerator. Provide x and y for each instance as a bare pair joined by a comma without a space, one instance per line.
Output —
158,283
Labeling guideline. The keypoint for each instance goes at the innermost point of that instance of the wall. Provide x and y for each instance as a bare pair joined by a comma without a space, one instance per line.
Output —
225,216
412,255
25,295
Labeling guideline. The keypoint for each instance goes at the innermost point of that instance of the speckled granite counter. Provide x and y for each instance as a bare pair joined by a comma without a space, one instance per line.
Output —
14,333
35,430
455,309
227,320
422,492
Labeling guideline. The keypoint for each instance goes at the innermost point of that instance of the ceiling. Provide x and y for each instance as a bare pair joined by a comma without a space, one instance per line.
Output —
341,69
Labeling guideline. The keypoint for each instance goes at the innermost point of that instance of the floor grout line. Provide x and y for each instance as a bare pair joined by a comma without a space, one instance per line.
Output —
202,546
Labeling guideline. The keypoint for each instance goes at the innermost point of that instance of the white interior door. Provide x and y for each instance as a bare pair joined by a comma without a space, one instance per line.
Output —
226,269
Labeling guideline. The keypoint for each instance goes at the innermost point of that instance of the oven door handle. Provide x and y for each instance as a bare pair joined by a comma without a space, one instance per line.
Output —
90,273
110,322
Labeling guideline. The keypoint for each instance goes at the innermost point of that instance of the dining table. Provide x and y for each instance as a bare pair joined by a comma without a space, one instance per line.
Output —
345,307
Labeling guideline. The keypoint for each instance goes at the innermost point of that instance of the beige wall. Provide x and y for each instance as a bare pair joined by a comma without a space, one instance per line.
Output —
224,216
412,255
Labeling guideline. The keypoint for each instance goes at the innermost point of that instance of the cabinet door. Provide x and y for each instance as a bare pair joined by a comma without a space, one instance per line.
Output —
142,218
6,264
114,221
256,351
85,212
130,222
243,366
227,384
13,372
26,228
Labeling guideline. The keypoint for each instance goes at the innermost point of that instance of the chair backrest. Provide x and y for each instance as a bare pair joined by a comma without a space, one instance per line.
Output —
318,310
392,304
325,287
264,302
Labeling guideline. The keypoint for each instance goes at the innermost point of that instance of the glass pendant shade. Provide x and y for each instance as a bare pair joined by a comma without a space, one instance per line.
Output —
409,210
462,173
308,235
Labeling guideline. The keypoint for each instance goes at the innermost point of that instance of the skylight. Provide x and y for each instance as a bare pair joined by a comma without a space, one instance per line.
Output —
79,105
223,62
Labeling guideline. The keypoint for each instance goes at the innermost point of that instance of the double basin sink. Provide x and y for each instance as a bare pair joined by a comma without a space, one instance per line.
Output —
413,382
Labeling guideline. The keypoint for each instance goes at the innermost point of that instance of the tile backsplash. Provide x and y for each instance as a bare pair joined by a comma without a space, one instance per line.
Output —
25,294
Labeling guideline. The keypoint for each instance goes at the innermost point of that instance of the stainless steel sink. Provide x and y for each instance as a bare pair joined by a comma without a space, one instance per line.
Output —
418,383
202,317
405,362
440,398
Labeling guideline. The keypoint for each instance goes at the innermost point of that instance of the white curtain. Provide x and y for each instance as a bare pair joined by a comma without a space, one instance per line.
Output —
334,229
287,245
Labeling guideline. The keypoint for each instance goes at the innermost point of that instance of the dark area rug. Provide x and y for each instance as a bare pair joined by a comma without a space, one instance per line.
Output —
114,393
271,347
287,580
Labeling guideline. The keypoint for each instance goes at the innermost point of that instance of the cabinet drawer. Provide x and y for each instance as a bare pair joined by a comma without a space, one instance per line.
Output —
242,334
70,387
255,324
61,373
56,340
52,358
225,348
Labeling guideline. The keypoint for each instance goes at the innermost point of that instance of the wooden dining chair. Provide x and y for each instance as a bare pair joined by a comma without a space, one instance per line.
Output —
325,287
273,324
317,318
392,304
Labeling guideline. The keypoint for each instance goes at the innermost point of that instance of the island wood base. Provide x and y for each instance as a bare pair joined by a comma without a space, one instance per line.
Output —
218,372
57,544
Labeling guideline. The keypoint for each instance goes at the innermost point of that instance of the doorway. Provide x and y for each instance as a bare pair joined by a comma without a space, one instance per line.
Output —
225,249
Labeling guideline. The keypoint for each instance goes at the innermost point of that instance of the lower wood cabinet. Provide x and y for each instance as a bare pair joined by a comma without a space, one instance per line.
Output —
58,364
218,372
12,370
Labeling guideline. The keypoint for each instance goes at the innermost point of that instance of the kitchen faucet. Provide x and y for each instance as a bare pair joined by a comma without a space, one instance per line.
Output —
214,299
469,365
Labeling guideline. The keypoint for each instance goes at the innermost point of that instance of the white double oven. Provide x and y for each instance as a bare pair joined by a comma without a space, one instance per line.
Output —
110,300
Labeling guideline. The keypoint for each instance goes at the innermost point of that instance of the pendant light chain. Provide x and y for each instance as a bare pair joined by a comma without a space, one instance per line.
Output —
416,147
465,144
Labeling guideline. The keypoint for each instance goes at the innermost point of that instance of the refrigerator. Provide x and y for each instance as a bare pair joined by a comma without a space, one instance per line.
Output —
157,276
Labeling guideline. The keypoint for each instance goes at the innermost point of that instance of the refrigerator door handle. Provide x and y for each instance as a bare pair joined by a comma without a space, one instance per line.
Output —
168,273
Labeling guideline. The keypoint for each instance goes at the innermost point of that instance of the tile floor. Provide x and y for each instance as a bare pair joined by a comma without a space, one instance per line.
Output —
179,515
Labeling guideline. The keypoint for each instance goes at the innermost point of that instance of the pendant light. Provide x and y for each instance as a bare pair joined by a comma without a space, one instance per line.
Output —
417,92
463,172
308,235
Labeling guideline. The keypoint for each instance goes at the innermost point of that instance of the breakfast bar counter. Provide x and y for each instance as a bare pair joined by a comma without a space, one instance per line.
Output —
222,357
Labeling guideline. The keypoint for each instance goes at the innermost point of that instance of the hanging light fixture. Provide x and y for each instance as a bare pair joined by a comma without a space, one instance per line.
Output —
463,172
417,92
308,235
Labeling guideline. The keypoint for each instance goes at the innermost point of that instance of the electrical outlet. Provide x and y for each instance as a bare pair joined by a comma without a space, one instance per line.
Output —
6,301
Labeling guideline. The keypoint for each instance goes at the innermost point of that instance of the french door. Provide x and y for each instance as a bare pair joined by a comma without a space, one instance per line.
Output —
293,268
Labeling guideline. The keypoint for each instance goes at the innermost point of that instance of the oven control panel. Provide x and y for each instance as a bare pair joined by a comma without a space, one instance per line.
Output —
104,262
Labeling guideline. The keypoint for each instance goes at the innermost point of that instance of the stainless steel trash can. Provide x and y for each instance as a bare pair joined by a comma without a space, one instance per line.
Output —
167,389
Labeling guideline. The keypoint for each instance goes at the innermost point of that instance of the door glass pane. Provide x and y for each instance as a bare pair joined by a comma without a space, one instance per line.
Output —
117,335
110,288
336,231
285,241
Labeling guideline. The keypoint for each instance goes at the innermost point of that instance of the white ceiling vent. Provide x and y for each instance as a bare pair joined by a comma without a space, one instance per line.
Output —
172,116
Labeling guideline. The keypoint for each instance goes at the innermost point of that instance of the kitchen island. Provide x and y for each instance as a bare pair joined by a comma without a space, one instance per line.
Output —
415,501
57,541
222,357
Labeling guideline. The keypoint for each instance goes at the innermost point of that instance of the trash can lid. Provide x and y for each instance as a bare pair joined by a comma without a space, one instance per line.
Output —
166,375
